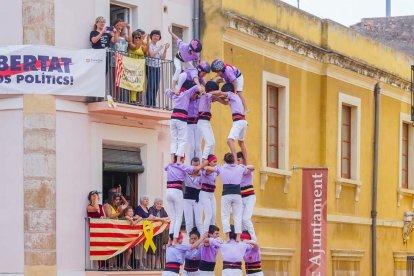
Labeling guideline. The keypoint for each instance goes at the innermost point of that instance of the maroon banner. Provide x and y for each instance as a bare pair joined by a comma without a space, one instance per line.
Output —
313,236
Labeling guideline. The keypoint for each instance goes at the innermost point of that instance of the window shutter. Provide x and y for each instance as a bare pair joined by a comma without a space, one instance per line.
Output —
119,159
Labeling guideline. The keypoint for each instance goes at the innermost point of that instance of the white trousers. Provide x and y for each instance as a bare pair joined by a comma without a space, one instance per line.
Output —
175,202
256,274
206,131
233,202
178,64
208,205
238,130
192,212
194,141
194,273
205,273
178,131
181,79
247,213
232,272
169,273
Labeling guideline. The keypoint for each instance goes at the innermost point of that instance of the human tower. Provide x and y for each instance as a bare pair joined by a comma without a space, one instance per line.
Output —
192,97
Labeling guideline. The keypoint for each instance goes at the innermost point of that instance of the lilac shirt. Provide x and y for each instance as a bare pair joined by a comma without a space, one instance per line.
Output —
194,254
252,255
189,181
184,49
230,73
175,253
204,104
209,178
182,100
247,178
231,174
233,251
193,108
209,253
235,103
178,172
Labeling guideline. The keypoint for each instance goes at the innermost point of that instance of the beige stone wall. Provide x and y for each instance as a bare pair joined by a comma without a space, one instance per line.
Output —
39,153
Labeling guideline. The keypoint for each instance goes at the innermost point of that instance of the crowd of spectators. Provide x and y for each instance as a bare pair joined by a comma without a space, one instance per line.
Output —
117,207
136,44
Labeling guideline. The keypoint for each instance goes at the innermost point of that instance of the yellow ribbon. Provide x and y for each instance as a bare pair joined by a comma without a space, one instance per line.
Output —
148,230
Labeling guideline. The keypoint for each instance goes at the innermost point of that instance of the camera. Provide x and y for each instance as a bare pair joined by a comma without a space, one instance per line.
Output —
109,28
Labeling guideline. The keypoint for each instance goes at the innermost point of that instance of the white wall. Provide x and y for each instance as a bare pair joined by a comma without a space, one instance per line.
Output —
73,175
11,195
74,21
151,181
11,22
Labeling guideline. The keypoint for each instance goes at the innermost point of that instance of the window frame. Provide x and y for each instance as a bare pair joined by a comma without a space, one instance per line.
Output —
348,157
283,169
355,168
405,119
274,107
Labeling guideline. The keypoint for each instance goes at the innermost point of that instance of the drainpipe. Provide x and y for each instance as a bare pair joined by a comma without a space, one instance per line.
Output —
377,91
196,19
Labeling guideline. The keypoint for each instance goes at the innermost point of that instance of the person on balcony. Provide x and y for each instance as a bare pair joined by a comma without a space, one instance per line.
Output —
121,46
137,49
175,254
159,213
192,206
156,53
101,37
142,211
113,209
187,53
134,220
94,209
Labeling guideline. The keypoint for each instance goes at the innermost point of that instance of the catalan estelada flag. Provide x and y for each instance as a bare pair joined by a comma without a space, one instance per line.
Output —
109,238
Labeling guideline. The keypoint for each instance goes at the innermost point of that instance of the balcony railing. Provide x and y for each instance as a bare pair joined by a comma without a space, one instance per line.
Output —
158,77
139,259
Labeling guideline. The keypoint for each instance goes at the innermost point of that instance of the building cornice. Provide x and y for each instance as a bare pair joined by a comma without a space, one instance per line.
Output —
326,57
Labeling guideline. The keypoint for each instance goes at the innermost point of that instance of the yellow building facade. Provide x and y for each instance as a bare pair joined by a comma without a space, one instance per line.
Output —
321,77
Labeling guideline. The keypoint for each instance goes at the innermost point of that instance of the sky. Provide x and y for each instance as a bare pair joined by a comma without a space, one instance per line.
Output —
349,12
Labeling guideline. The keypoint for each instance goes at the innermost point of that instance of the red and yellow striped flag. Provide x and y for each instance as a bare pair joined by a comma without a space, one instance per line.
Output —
109,238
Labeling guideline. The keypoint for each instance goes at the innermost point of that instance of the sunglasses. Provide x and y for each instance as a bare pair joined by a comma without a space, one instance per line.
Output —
93,192
137,37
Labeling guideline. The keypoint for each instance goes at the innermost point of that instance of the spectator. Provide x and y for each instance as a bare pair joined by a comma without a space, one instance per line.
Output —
155,53
159,213
94,209
101,37
117,190
129,215
113,209
142,211
137,49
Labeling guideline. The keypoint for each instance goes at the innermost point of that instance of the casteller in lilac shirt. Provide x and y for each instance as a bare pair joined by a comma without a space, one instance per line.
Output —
176,253
230,73
233,251
231,173
252,255
184,50
182,100
192,73
247,178
178,172
209,253
193,108
235,103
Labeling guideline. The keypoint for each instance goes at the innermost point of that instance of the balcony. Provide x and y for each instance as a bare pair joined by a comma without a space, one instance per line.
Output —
150,103
140,262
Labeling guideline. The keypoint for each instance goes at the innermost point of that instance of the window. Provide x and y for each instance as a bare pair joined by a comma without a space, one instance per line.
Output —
272,126
346,142
406,153
119,12
349,143
178,31
275,129
275,267
404,156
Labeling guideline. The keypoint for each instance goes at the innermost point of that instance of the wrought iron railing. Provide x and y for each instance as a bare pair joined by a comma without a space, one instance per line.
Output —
135,260
158,77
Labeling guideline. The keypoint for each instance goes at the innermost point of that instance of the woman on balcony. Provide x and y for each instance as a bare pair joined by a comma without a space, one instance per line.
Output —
94,209
138,49
156,52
